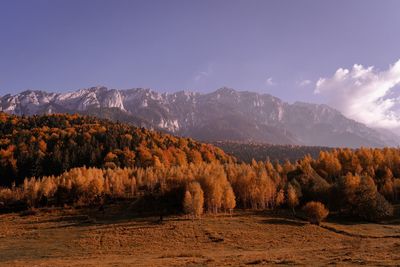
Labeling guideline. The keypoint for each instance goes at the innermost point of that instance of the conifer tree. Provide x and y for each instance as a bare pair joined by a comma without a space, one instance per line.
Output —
188,203
292,199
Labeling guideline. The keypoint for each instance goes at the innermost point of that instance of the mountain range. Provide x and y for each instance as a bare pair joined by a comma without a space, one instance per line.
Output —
225,114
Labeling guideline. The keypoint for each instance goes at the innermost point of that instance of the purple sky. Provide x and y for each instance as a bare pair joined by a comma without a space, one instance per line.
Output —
264,46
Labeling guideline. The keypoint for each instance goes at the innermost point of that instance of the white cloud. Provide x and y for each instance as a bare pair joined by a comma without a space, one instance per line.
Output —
201,75
304,82
270,82
364,94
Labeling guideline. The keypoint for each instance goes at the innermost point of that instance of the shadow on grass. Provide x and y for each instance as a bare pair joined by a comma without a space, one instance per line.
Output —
126,215
121,213
284,221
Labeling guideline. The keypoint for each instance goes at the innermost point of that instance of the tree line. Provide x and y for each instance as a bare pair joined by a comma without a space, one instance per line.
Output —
216,187
181,175
247,151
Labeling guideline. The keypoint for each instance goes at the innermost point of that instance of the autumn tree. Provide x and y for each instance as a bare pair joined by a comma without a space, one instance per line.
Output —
328,165
292,198
315,212
188,203
229,200
194,199
279,198
361,198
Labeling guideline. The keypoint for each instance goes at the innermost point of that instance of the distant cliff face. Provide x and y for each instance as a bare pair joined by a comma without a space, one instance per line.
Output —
225,114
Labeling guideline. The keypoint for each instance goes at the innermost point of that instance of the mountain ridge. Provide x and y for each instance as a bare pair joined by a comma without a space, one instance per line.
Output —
224,114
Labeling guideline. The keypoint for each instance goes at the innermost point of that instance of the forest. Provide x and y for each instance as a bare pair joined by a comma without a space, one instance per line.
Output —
247,151
37,146
83,161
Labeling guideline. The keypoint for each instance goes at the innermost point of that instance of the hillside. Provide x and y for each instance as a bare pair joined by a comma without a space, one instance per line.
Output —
225,114
51,144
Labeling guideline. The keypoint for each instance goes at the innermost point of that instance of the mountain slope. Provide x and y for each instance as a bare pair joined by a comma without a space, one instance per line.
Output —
51,144
225,114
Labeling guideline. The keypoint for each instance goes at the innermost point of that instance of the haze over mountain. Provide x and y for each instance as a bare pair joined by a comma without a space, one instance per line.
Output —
225,114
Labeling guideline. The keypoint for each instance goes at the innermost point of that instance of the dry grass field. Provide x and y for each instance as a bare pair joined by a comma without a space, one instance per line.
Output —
72,237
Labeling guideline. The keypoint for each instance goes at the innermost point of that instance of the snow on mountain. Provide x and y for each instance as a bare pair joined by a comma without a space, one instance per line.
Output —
225,114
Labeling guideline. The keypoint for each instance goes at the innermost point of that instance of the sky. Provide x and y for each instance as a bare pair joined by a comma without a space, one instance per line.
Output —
343,53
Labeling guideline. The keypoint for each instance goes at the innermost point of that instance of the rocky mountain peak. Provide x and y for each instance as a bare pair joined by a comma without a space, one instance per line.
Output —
225,114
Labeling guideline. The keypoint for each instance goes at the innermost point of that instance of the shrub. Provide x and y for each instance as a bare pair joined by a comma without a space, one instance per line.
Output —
315,212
